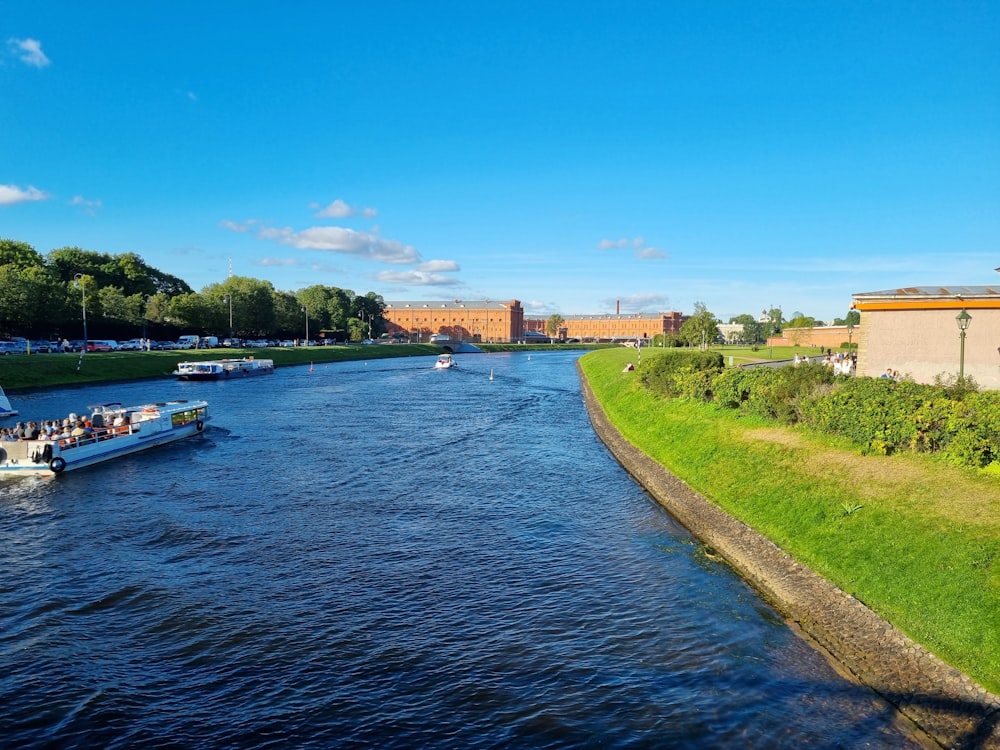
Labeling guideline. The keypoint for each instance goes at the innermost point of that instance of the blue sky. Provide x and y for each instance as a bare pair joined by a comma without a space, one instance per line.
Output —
570,155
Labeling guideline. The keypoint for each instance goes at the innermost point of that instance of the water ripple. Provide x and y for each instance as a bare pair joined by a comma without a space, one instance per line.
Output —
397,557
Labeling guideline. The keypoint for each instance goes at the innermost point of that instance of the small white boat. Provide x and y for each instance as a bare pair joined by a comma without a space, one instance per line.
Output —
223,369
6,410
445,362
115,431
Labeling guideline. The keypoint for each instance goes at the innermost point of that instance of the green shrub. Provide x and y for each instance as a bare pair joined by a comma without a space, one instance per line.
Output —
775,393
974,431
670,373
877,414
881,416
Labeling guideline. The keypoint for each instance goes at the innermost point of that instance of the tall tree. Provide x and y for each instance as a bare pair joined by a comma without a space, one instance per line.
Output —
19,255
31,301
853,318
702,328
553,324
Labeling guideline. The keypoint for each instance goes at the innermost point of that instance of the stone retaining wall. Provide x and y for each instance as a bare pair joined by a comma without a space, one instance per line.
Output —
941,701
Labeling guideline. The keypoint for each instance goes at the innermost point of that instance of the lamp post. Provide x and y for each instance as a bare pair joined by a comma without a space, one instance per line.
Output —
229,300
850,335
963,319
81,282
307,324
145,323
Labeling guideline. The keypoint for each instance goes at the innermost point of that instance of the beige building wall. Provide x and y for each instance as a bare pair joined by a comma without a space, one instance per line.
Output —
914,330
922,344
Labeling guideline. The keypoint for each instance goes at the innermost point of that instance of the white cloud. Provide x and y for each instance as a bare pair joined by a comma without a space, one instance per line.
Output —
239,226
90,206
342,240
538,309
438,265
278,262
612,244
638,245
30,52
649,253
11,194
638,303
415,278
340,209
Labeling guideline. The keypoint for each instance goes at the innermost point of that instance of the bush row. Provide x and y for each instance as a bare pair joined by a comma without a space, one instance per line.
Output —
879,415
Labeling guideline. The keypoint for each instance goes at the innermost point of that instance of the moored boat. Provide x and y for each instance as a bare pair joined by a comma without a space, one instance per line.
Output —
445,362
114,431
223,369
6,410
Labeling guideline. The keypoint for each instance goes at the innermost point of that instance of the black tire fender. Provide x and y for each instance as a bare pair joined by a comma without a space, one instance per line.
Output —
199,425
57,464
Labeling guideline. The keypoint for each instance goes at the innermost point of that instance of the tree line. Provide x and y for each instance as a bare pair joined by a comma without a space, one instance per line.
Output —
124,297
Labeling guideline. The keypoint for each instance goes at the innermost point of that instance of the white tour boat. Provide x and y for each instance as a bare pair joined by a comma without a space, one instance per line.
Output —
223,369
445,362
6,410
116,431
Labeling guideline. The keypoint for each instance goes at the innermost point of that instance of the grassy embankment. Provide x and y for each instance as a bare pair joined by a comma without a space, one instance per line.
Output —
915,539
45,370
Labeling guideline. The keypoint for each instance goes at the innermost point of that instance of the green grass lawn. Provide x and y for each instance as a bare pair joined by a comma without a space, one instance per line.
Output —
915,539
46,370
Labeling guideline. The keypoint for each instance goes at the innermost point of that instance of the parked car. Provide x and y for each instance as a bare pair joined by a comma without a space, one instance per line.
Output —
73,346
40,347
132,345
9,347
55,347
98,346
162,346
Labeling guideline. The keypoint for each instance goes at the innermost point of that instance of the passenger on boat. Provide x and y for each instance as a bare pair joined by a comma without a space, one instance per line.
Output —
78,430
31,431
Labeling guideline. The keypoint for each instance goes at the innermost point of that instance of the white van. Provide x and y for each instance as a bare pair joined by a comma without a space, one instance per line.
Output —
187,342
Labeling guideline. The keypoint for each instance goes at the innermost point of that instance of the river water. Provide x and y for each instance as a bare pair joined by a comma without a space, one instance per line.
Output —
379,554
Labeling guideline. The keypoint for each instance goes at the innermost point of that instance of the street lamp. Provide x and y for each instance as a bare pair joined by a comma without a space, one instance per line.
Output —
307,324
144,344
229,299
963,319
81,282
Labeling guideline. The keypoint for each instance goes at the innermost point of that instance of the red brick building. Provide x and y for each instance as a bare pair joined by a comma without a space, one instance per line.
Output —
613,326
461,320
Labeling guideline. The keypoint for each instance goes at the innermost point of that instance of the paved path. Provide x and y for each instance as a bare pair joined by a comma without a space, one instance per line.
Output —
945,704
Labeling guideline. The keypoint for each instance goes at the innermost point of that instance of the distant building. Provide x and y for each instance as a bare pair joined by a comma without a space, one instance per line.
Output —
461,320
613,326
915,330
825,337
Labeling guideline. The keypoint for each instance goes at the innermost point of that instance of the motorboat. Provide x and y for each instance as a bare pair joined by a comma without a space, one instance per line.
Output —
114,431
6,410
445,362
224,369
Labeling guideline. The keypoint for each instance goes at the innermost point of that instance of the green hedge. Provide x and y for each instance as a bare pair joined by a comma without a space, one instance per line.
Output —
878,415
682,373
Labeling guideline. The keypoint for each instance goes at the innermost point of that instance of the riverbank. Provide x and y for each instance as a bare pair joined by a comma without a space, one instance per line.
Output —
50,370
943,701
